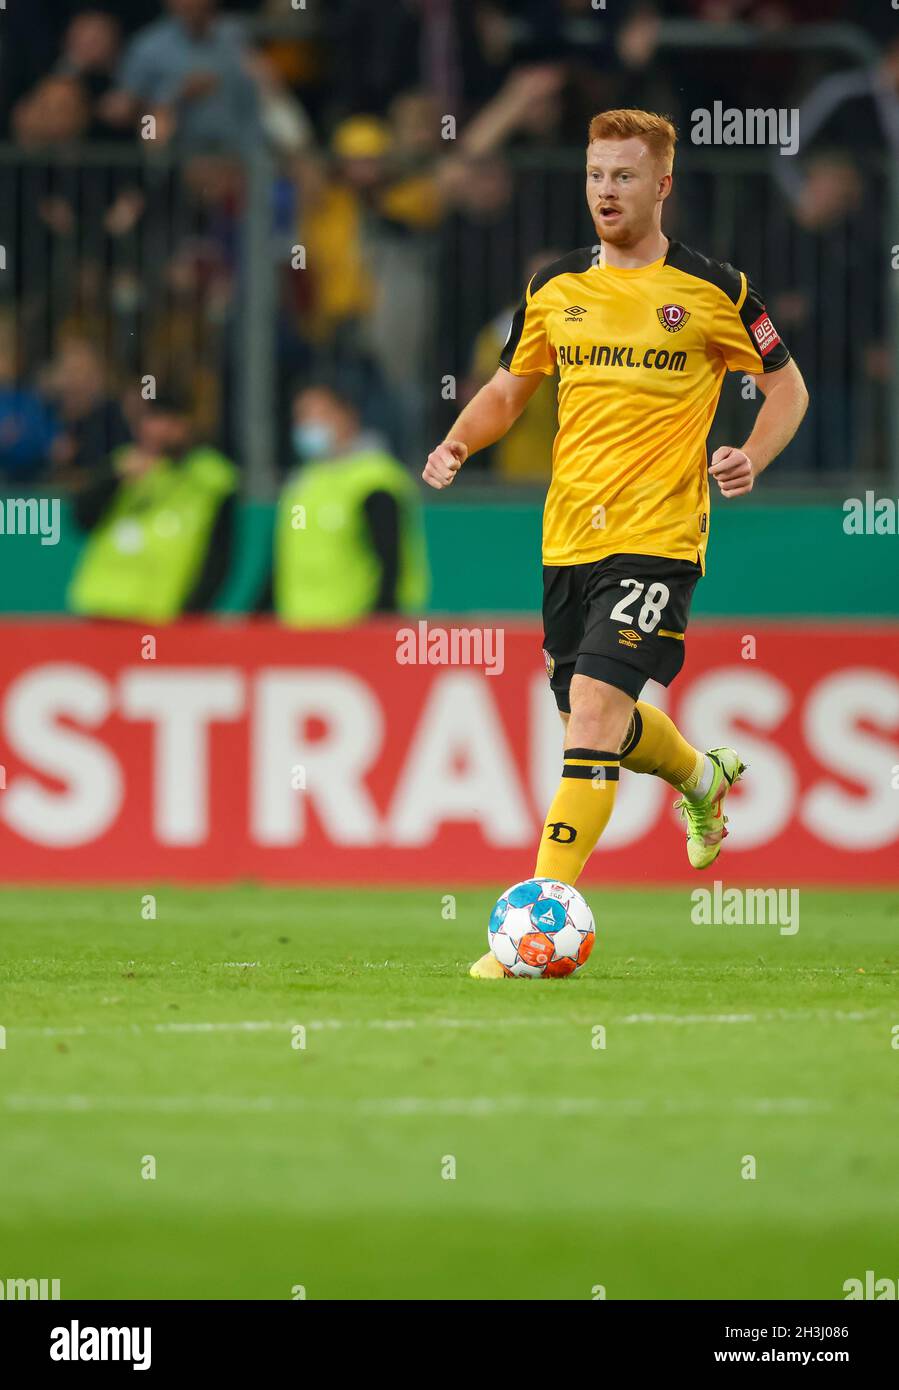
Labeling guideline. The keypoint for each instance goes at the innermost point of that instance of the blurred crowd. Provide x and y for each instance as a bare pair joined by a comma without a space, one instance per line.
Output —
421,167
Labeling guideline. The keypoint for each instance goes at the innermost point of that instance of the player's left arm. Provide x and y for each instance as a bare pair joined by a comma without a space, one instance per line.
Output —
785,403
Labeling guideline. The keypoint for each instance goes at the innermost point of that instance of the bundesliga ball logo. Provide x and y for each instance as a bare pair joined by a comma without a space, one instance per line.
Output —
541,928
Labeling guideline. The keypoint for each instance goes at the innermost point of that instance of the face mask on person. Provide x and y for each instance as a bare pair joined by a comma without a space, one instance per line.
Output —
313,441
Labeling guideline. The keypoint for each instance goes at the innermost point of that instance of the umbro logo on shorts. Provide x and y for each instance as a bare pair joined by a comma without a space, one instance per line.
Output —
627,637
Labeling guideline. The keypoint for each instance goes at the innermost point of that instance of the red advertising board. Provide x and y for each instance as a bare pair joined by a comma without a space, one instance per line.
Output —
218,751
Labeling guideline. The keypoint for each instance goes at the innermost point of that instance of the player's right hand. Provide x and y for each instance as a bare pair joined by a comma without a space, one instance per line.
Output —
444,463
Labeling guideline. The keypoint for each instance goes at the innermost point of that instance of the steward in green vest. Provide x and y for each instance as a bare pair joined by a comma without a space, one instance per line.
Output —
349,539
159,520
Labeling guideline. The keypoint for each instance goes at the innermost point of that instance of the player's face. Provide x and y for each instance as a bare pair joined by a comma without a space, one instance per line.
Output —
625,185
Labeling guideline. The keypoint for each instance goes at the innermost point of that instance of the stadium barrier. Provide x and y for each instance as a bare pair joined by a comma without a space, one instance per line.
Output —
187,289
764,559
216,751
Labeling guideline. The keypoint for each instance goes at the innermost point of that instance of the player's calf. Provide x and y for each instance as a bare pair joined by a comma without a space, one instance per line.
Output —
583,804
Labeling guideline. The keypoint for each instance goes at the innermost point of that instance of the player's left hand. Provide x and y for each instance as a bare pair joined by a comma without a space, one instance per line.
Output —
732,471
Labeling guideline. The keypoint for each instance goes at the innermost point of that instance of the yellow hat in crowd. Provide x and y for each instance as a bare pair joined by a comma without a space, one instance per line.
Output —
361,137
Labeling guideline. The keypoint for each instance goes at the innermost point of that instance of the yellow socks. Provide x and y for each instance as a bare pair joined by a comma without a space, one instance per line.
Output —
583,804
655,745
579,813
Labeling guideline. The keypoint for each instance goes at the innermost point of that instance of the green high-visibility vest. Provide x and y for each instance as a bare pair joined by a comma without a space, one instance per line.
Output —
143,558
326,573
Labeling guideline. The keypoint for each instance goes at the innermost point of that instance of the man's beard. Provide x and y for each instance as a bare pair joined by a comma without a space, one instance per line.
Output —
621,233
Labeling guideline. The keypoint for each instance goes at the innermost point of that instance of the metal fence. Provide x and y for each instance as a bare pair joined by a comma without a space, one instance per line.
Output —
139,258
187,270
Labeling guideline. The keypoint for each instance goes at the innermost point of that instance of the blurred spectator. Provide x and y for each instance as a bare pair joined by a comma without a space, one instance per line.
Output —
414,231
368,219
91,420
27,426
831,191
409,208
159,514
480,257
283,118
29,44
90,55
336,198
527,108
348,539
70,218
334,297
298,57
854,113
55,112
196,309
437,45
413,196
837,231
524,454
191,72
186,338
742,75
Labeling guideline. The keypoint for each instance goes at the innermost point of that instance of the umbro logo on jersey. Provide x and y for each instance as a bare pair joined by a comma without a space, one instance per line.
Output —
672,316
574,313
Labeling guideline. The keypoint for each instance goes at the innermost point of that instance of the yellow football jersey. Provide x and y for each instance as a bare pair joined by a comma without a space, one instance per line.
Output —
641,356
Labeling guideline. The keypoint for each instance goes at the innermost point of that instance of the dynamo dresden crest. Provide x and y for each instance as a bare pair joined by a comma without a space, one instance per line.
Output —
672,316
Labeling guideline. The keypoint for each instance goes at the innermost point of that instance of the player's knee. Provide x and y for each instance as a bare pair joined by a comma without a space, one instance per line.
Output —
600,715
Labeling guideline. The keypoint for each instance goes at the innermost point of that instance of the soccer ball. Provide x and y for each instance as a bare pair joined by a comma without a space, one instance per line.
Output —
541,928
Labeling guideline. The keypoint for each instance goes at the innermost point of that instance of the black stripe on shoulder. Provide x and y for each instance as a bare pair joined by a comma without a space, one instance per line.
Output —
720,273
511,344
575,263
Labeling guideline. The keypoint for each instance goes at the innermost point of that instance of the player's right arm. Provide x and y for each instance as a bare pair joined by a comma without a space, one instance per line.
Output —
484,420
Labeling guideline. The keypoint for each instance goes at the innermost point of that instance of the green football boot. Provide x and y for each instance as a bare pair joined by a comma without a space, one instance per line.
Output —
706,821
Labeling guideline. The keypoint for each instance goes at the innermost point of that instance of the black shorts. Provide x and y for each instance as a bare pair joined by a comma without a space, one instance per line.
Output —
621,620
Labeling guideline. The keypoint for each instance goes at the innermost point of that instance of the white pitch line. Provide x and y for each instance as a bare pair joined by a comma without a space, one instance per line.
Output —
399,1107
766,1016
399,1024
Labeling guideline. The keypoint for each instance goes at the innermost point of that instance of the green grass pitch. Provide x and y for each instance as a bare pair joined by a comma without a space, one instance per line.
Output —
327,1166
